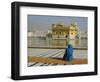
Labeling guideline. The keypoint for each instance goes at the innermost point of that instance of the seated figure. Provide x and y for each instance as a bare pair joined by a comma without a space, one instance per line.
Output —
68,56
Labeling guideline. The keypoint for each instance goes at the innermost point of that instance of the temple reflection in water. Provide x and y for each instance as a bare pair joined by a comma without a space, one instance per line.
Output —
49,42
58,36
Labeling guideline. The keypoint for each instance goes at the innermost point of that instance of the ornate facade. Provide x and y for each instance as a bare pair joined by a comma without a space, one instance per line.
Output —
59,31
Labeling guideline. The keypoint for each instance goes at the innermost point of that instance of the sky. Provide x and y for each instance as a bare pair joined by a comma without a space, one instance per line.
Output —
44,22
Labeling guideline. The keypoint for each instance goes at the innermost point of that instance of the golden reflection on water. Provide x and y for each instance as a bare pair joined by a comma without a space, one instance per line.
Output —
48,42
75,42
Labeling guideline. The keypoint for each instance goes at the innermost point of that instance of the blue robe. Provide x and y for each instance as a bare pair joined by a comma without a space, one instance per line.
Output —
68,56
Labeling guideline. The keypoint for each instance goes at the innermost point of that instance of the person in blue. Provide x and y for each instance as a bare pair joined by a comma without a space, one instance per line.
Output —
68,56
